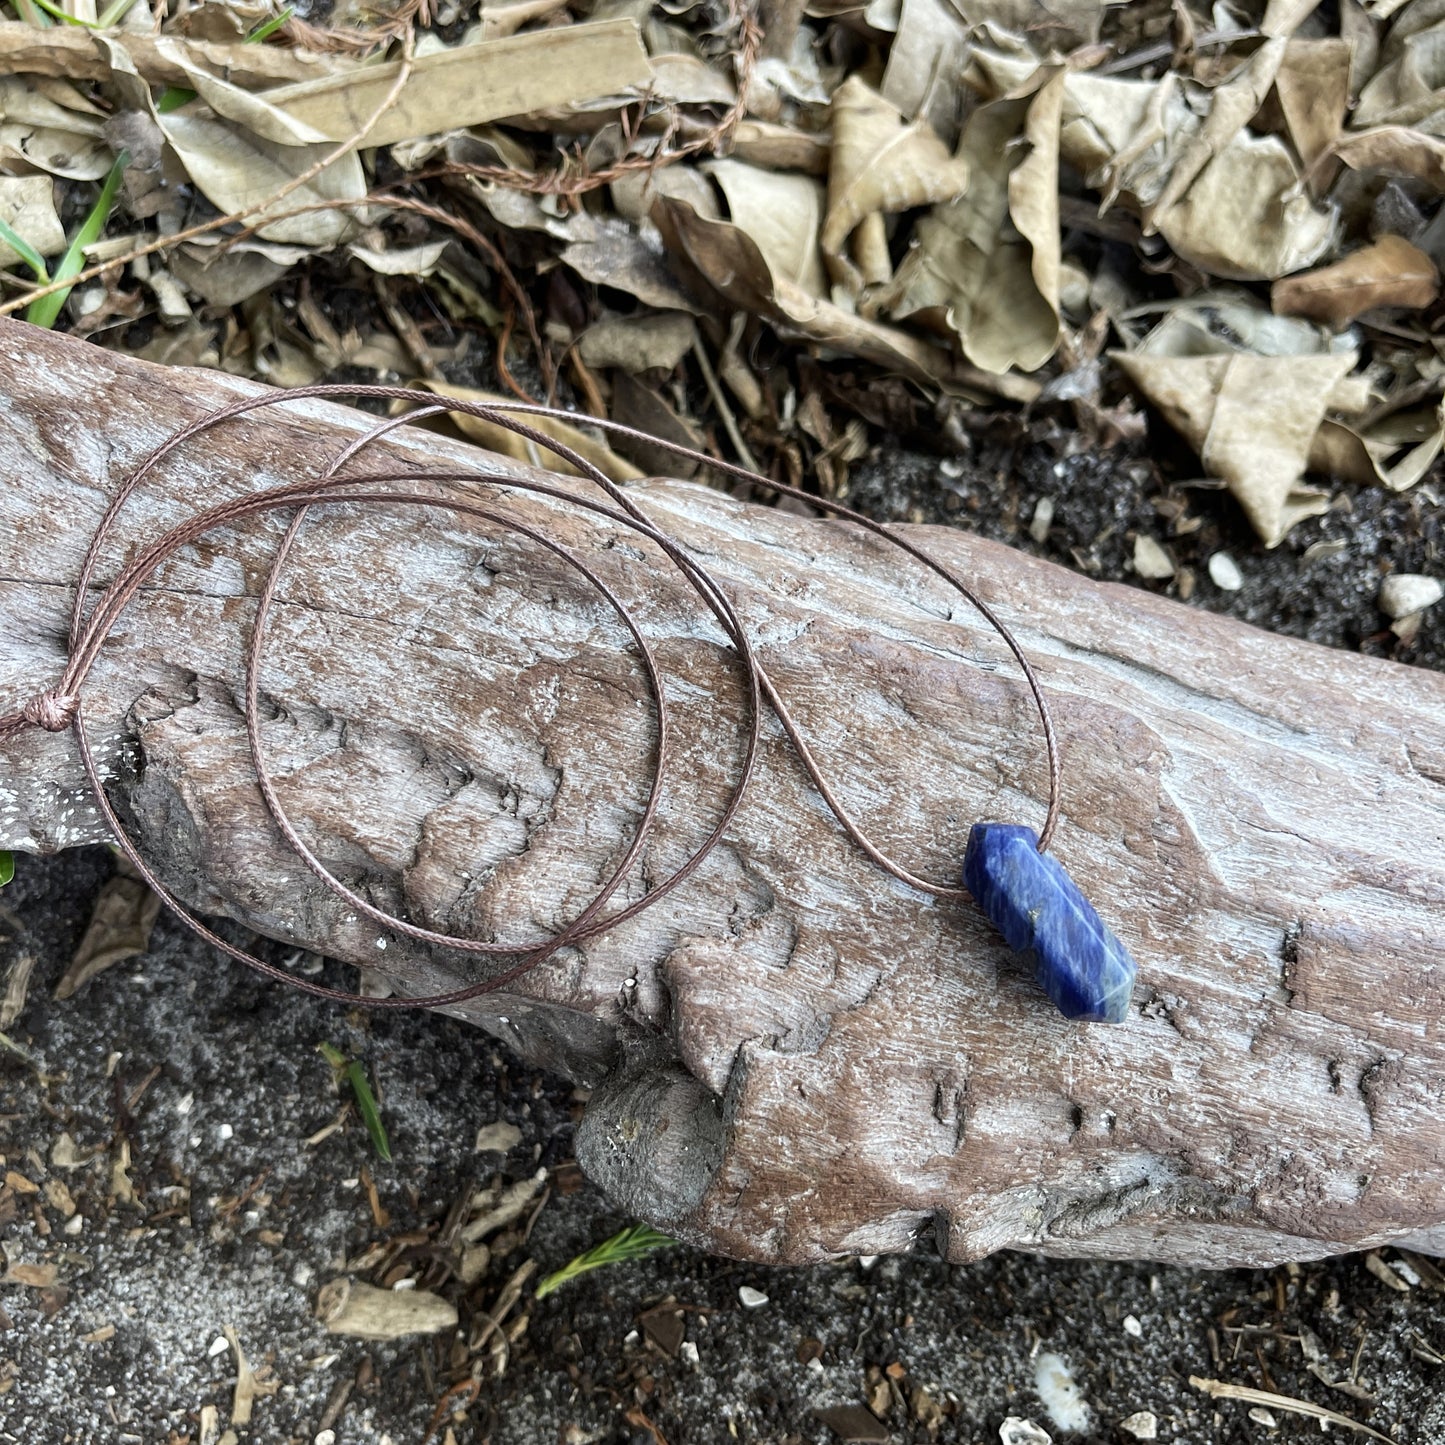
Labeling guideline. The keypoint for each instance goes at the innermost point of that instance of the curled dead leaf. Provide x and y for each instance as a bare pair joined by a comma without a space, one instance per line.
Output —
1391,272
881,165
990,262
1252,420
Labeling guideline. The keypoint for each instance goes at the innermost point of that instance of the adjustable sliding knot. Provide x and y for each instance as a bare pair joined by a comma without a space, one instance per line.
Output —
52,710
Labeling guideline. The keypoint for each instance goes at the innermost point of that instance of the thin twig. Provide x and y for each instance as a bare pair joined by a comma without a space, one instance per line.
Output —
1222,1391
729,421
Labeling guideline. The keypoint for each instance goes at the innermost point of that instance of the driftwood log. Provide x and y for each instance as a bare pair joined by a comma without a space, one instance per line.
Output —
793,1056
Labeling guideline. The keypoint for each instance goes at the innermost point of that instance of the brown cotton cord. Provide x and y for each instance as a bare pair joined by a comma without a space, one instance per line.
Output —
455,492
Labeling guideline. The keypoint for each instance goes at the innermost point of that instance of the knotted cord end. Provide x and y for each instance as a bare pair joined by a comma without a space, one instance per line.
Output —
52,710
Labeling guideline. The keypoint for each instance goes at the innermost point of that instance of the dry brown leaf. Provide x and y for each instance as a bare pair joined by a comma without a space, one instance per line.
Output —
633,195
236,170
1391,272
1407,89
614,255
1396,150
729,261
44,136
27,205
1313,85
781,148
640,406
991,260
1246,217
1252,420
924,64
782,213
507,443
471,84
120,926
1232,106
1048,26
881,165
401,260
690,80
1243,215
1395,452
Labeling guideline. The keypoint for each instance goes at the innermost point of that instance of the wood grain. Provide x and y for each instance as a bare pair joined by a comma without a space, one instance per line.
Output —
793,1056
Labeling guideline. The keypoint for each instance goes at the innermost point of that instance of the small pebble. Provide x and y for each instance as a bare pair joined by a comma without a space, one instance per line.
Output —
1015,1430
1133,1327
1043,519
1151,561
497,1138
1142,1425
326,1437
224,1132
1261,1416
1224,572
219,1346
1319,551
1405,593
753,1299
688,1351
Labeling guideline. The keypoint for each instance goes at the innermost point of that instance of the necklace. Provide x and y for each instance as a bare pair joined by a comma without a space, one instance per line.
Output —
1007,869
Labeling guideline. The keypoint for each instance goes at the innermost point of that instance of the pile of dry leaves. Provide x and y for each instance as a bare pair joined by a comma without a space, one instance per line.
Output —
684,214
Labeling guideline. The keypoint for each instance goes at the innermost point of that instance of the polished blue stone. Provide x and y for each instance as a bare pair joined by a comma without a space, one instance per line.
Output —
1038,908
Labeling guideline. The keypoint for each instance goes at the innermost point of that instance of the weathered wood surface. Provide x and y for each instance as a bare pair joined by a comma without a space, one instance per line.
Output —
793,1055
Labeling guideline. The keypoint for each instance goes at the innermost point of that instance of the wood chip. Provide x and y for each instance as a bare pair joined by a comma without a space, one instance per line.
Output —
363,1312
1384,1273
36,1276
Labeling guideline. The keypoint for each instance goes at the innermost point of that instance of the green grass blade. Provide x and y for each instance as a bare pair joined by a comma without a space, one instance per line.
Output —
173,97
44,311
366,1104
370,1113
51,9
632,1243
267,28
31,14
28,253
113,13
7,867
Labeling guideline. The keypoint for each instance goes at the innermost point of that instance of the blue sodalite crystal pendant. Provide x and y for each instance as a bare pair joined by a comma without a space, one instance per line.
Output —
1038,908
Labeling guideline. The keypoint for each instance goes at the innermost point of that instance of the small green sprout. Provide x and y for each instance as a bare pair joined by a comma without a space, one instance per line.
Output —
632,1243
7,867
355,1076
44,310
113,14
173,97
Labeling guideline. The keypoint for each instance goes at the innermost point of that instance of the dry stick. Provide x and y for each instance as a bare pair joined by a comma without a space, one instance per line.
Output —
729,421
164,243
1219,1390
